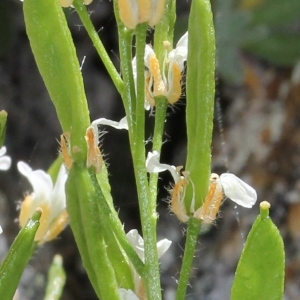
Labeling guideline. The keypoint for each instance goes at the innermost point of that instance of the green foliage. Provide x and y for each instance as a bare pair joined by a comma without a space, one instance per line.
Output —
20,252
260,272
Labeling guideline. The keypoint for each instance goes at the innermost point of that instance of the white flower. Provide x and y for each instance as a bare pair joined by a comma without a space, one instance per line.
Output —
137,243
227,184
51,199
232,187
5,161
238,190
165,82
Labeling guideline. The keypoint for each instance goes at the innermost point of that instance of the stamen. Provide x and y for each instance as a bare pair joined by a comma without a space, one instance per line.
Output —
174,91
159,86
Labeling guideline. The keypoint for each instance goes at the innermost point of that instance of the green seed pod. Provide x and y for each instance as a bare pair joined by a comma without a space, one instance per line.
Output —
200,91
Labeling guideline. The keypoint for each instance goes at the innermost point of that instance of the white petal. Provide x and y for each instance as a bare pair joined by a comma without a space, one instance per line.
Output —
154,166
5,163
1,230
183,41
118,125
179,54
163,246
237,190
40,181
58,193
2,150
148,53
136,242
127,295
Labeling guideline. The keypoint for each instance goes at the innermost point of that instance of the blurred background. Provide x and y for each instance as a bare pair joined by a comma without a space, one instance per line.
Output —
256,136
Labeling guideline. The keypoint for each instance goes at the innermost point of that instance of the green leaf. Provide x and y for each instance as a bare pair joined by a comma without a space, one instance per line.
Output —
18,256
55,55
200,91
260,272
56,279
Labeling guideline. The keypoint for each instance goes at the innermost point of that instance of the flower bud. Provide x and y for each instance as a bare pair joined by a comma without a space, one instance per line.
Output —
133,12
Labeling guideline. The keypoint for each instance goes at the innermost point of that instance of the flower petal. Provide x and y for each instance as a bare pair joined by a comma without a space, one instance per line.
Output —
5,163
163,246
58,194
136,242
2,150
122,124
40,181
237,190
154,166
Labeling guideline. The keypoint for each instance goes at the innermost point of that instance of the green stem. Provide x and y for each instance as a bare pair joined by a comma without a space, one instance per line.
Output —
86,21
125,49
147,205
190,245
160,117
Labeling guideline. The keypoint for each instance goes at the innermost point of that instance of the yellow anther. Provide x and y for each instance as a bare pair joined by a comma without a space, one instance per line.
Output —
25,210
174,91
158,84
56,227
